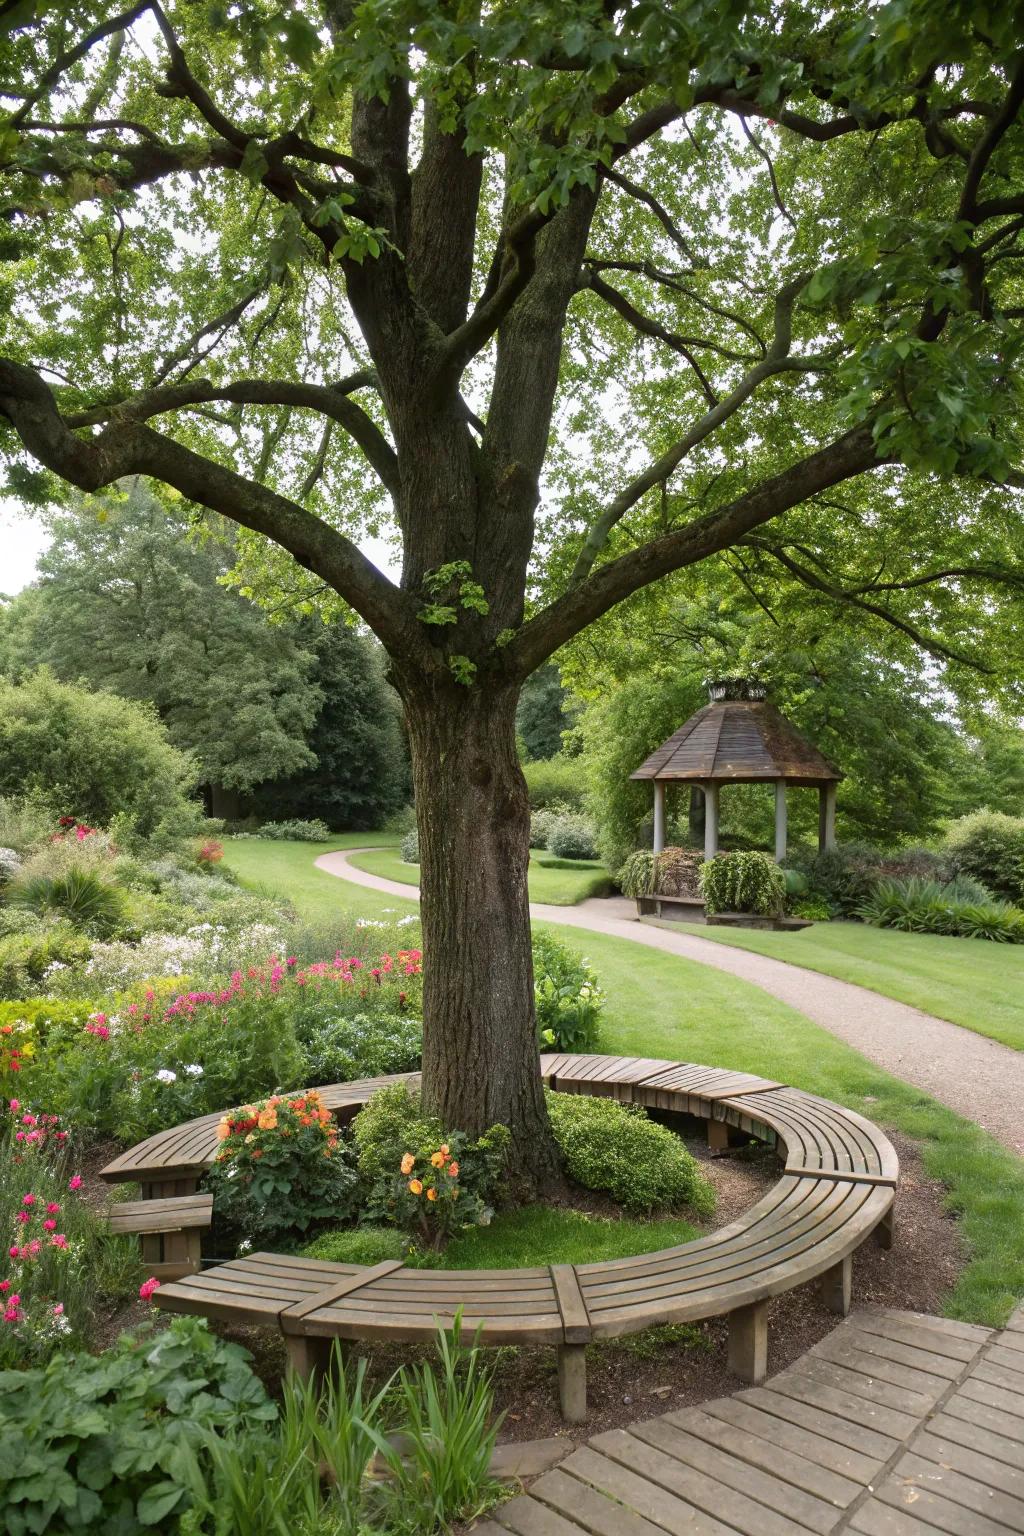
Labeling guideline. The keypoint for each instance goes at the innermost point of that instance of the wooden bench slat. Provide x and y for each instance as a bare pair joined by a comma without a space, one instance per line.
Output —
178,1214
344,1287
571,1304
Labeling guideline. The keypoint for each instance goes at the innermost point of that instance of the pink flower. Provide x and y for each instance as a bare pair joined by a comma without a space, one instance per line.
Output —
58,1310
29,1120
28,1199
49,1225
52,1208
60,1135
5,1286
33,1248
147,1288
14,1106
76,1182
58,1240
14,1251
23,1216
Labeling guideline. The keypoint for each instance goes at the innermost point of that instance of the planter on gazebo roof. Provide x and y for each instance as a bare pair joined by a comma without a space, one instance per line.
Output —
739,738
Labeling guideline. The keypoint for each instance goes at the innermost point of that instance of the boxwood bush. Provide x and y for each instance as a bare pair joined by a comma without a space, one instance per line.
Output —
572,837
616,1148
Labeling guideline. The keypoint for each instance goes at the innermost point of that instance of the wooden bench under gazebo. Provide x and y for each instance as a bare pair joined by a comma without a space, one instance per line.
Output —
737,738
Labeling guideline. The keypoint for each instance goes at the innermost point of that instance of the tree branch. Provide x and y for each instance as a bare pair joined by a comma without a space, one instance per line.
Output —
67,60
128,447
854,599
988,143
329,400
541,636
776,361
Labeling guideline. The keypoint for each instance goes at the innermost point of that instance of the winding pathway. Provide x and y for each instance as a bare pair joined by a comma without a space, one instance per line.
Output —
975,1076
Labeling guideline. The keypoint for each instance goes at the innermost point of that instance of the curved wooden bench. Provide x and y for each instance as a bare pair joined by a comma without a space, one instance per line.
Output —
837,1187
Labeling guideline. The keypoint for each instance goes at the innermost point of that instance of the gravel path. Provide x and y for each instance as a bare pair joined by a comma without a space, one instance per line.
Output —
977,1077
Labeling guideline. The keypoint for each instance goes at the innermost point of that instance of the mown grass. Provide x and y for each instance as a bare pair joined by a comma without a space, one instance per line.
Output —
558,882
535,1235
663,1005
971,982
288,870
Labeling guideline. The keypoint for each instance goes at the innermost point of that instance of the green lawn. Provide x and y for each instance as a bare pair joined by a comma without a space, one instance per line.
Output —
288,870
663,1005
559,882
968,981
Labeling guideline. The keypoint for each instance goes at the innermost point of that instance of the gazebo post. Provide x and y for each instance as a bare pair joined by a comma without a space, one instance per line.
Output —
780,820
710,820
827,816
659,815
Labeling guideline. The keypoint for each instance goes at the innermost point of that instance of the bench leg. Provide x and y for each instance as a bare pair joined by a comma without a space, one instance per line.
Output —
572,1382
718,1137
308,1357
885,1232
837,1286
748,1342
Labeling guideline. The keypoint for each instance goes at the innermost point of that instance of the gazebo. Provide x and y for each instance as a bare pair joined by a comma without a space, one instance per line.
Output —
739,738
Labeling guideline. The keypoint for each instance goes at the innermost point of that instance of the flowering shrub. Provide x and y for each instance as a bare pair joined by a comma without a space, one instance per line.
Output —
424,1197
57,1258
281,1168
209,852
119,1443
17,1048
390,1129
568,998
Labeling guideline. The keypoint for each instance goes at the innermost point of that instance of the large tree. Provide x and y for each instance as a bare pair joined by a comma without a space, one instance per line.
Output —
751,270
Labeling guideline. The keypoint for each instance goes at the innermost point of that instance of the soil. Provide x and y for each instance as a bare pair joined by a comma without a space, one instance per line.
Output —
651,1373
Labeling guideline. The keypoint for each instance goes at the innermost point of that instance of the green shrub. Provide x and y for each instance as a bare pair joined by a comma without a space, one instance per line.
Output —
636,877
742,882
366,1244
990,847
572,837
614,1147
410,847
555,781
79,895
109,1443
49,1017
91,755
25,958
797,883
296,830
337,1049
568,998
813,908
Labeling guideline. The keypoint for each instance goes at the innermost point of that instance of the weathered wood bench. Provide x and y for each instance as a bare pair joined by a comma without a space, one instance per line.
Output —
837,1187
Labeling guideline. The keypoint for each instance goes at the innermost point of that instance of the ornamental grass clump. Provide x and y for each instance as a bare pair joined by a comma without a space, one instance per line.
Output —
282,1167
616,1148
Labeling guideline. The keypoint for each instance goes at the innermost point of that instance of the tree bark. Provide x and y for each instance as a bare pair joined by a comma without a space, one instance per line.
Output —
480,1053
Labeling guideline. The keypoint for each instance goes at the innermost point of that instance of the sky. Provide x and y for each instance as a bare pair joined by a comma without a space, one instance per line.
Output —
22,541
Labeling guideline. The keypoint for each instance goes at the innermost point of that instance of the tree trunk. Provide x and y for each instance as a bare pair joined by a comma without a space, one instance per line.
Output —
480,1055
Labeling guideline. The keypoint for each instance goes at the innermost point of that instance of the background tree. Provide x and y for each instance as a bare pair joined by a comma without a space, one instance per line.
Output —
541,715
131,599
731,277
362,769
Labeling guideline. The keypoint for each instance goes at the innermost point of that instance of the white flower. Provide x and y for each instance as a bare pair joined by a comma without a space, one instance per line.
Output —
193,1069
245,1245
165,1075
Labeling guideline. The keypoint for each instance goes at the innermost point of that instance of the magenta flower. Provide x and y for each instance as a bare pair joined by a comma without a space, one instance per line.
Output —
58,1240
76,1182
52,1208
147,1288
49,1225
28,1199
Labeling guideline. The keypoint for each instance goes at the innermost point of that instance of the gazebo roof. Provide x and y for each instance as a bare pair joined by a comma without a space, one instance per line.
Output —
741,738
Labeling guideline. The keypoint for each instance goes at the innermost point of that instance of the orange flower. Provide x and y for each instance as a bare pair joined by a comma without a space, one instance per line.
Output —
443,1149
408,1163
415,1187
431,1194
453,1169
267,1120
437,1161
223,1131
